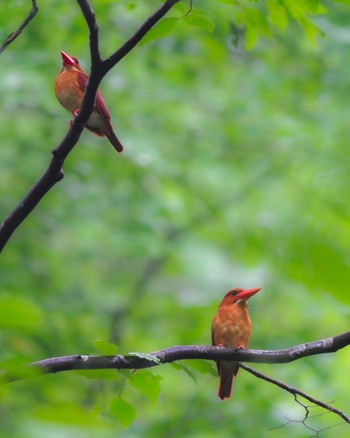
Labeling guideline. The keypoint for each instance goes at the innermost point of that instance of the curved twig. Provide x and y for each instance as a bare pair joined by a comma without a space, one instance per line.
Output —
296,392
32,13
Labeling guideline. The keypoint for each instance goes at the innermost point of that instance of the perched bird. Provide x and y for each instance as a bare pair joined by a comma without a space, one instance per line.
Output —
69,89
231,327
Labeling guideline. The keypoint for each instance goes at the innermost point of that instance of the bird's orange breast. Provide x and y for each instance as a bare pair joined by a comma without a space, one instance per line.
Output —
68,91
231,327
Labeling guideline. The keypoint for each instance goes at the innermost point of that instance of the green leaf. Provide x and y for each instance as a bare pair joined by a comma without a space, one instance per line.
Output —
105,347
149,357
180,7
311,30
256,24
277,14
66,413
130,5
162,29
199,21
251,35
211,368
258,19
122,411
311,5
181,367
147,383
202,366
17,369
300,8
19,313
99,374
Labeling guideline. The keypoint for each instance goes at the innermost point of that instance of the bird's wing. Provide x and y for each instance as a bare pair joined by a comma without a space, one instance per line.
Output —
213,343
212,337
100,105
82,79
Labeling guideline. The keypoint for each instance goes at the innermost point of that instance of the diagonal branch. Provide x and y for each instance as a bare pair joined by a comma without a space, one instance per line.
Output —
296,392
99,69
138,35
17,32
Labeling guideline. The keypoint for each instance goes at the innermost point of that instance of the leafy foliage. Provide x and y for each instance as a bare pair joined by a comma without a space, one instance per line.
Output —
147,383
105,348
236,173
123,411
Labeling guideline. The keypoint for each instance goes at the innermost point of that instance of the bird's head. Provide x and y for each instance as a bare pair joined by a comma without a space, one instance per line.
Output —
69,62
238,296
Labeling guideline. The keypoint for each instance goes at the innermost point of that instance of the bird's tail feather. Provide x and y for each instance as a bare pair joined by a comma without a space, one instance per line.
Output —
109,133
225,386
113,139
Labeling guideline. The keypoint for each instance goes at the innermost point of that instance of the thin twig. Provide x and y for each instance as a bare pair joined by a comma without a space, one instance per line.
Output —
296,392
138,35
17,32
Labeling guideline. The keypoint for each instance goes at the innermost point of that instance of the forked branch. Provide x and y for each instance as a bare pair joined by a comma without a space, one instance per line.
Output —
99,68
142,360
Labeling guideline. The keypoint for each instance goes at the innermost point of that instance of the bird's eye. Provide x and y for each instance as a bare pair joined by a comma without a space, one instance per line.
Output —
234,293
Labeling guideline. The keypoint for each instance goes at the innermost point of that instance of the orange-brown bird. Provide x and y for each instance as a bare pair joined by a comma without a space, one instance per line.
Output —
231,327
70,87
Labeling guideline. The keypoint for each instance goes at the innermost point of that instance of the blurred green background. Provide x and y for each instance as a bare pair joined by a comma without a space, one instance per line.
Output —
235,173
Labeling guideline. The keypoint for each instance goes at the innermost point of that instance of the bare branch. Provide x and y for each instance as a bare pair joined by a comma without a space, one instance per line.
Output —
142,360
296,392
91,22
138,35
172,354
16,33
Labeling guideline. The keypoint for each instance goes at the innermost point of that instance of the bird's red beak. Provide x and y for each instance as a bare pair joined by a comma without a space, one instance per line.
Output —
67,60
247,293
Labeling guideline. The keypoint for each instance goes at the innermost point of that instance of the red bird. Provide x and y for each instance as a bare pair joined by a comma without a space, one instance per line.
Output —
231,327
69,89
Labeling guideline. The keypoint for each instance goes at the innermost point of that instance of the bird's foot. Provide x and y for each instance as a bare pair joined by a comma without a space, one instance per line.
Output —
76,112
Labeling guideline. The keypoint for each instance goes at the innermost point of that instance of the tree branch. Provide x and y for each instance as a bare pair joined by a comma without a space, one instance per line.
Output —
172,354
138,35
99,69
16,33
91,22
296,392
141,360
